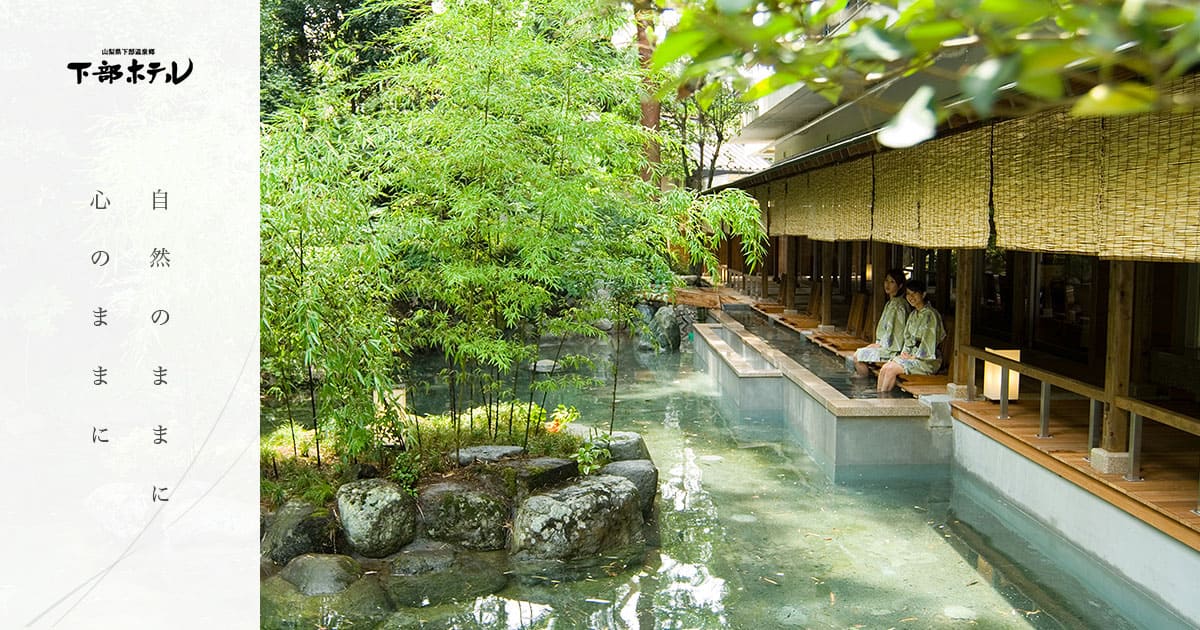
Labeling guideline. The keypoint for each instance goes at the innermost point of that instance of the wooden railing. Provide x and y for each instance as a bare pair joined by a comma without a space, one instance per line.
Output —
1097,397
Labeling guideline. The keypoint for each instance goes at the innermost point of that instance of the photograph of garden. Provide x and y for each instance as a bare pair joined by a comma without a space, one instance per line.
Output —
664,314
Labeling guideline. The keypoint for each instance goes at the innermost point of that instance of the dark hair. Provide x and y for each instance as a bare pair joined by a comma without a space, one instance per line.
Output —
897,274
916,286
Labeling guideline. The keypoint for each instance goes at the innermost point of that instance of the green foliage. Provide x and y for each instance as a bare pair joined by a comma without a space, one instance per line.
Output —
473,191
562,417
591,456
1130,50
698,125
284,477
406,471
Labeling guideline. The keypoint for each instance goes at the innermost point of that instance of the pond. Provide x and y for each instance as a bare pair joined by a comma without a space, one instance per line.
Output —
752,535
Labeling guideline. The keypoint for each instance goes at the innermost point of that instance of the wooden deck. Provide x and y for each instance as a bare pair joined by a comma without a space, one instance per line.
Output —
1165,499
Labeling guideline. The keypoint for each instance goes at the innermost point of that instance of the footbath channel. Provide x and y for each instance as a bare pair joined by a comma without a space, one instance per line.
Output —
822,363
752,533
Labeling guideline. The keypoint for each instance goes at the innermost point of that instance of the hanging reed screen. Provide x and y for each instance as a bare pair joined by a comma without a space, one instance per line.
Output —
897,198
768,207
797,204
1048,187
1152,188
955,177
852,210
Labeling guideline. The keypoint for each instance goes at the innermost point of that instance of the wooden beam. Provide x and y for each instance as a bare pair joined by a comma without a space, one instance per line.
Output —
804,253
879,269
826,283
964,300
1115,434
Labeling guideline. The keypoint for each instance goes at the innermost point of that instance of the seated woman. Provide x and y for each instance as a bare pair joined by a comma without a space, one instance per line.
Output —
922,334
889,332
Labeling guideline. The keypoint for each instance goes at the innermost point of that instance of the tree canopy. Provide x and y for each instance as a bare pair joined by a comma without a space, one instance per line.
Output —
1101,58
475,189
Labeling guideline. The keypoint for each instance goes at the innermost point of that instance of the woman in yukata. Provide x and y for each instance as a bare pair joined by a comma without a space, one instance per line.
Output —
919,349
889,332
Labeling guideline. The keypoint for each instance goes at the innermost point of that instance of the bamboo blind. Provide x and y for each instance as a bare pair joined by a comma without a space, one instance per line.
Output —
797,205
821,202
955,181
1048,186
1151,181
897,198
766,203
853,192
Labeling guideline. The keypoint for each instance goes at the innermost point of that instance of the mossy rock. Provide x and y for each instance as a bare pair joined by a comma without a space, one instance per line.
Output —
427,573
361,602
465,514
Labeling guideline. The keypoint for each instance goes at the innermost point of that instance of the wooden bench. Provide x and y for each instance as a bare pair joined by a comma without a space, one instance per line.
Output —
809,319
856,334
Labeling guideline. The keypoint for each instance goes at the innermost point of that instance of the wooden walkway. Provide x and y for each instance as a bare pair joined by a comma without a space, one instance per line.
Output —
1166,497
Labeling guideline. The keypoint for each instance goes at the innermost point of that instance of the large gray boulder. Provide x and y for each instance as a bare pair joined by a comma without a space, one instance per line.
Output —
665,327
321,574
317,590
298,528
378,516
487,453
429,573
642,473
519,478
624,445
469,516
588,518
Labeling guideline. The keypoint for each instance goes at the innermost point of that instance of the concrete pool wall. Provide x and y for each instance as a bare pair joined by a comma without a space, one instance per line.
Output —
849,438
1149,576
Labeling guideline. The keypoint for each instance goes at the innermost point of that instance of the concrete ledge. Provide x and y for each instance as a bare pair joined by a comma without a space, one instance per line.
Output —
850,439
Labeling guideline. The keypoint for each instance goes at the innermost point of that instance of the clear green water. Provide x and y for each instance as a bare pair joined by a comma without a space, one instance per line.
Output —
753,536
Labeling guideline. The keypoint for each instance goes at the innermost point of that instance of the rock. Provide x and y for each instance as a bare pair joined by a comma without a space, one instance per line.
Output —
665,327
458,513
427,573
298,528
546,366
646,311
377,516
624,445
604,324
490,453
443,617
518,478
642,474
321,574
361,602
592,517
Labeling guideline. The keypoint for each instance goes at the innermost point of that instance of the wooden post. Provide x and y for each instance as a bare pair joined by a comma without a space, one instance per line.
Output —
803,258
964,298
943,281
879,269
788,290
826,283
1115,435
